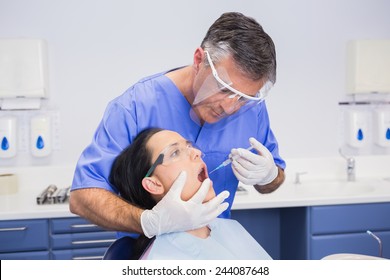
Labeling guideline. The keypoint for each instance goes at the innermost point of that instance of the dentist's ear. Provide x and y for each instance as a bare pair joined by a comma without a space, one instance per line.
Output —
198,58
152,185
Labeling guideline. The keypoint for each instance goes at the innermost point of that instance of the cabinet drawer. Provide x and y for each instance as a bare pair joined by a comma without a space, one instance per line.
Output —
354,243
71,225
79,254
39,255
349,218
24,235
82,240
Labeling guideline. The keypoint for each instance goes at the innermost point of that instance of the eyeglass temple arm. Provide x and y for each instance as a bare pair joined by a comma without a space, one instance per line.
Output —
158,161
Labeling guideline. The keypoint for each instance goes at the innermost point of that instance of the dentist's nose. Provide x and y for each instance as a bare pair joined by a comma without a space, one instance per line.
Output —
229,105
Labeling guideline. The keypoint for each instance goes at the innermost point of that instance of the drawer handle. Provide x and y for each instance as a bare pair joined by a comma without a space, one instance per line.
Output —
14,229
88,258
83,226
93,241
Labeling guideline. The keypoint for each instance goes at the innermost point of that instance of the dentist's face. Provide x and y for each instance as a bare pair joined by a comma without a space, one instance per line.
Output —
218,105
179,155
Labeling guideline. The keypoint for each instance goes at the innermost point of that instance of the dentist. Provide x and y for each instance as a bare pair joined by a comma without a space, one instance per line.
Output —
217,102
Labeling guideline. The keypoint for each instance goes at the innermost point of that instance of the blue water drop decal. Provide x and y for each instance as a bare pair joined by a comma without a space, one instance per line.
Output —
4,144
40,143
388,134
360,135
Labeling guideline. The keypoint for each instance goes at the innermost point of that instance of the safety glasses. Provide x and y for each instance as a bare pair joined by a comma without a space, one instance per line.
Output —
173,153
260,95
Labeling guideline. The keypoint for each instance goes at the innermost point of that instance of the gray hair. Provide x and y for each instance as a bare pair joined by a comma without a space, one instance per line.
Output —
245,40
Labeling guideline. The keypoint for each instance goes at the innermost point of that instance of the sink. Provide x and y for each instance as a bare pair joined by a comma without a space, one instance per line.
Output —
329,188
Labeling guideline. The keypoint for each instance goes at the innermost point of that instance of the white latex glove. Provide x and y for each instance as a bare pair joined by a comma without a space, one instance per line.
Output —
173,214
251,168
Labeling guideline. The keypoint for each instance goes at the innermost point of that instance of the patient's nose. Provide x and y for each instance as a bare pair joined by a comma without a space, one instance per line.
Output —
194,153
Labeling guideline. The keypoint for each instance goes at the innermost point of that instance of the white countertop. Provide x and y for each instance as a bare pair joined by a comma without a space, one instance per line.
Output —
31,182
327,176
368,190
23,206
323,184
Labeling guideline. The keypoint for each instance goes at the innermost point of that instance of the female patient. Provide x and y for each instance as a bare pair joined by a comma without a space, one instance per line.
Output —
150,165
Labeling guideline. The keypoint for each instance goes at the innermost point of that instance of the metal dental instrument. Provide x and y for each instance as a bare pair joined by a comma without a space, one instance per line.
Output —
46,194
228,161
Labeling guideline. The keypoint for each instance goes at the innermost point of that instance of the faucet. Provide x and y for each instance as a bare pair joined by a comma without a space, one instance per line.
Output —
351,176
351,169
297,177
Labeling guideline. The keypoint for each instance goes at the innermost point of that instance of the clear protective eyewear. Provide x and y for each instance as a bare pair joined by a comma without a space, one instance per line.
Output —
242,97
173,153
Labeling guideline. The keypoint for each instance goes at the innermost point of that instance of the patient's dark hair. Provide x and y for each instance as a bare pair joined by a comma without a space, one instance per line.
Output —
127,172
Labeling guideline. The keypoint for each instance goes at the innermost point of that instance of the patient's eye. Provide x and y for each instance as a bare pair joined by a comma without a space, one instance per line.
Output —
190,145
175,153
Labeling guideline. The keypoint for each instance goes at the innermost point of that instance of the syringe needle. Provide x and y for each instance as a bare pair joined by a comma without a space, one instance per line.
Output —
215,169
228,161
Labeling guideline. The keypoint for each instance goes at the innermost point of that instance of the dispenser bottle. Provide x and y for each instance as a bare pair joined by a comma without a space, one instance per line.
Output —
356,128
382,127
8,137
40,133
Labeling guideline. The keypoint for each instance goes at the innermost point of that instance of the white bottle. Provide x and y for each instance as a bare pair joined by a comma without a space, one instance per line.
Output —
382,127
356,128
8,137
40,136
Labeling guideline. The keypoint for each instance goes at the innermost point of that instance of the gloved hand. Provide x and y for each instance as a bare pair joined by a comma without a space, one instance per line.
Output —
173,214
251,168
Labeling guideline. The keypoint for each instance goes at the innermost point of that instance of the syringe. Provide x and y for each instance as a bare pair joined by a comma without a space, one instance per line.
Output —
228,161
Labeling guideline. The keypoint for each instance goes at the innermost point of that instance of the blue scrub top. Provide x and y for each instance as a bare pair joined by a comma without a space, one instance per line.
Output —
156,102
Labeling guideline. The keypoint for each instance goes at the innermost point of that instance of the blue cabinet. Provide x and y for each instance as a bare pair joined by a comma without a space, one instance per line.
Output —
60,238
285,233
77,238
318,231
79,254
38,255
24,239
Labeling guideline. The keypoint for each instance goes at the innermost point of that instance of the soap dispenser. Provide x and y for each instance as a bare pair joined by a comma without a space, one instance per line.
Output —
382,127
8,137
40,136
356,128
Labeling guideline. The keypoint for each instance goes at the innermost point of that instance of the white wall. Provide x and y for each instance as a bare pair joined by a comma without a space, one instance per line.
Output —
97,49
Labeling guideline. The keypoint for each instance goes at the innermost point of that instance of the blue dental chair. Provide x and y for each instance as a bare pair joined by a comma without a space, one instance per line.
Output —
120,249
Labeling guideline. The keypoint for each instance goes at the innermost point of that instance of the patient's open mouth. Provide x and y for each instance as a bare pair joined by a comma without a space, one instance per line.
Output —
202,174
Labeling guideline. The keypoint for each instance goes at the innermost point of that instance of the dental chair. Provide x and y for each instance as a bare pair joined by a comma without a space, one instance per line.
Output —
120,249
